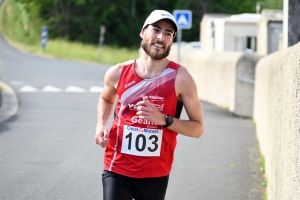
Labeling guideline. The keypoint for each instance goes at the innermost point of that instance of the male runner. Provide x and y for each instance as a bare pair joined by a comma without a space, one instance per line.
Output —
150,92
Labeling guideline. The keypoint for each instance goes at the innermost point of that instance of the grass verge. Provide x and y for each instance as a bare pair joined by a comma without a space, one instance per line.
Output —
82,52
262,166
22,27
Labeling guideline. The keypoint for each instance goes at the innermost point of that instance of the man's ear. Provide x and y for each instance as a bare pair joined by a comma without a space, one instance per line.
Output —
142,33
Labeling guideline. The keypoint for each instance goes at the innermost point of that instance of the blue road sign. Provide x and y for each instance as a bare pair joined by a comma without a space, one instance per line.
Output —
44,36
183,18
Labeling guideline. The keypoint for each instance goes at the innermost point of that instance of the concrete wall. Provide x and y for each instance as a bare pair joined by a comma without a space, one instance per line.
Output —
223,78
226,79
277,115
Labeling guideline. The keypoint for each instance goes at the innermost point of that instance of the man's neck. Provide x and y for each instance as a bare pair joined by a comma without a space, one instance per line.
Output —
147,68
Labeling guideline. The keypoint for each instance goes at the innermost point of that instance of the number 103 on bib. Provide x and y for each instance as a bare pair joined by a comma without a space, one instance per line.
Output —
141,141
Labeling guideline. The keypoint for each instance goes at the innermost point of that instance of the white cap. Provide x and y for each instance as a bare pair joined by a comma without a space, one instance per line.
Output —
157,15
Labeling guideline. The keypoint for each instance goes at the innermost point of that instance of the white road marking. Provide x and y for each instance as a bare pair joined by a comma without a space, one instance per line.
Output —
16,82
50,88
74,89
28,88
96,89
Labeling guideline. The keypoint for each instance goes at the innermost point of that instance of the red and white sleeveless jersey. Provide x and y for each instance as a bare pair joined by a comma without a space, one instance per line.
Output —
138,148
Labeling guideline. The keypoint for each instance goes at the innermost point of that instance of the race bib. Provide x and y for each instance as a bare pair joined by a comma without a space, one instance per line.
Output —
141,141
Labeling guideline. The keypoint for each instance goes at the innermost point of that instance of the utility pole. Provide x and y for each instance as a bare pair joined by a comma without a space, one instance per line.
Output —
133,8
291,28
101,39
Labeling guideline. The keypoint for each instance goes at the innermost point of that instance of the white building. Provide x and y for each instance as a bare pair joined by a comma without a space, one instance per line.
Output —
230,33
270,28
236,33
207,36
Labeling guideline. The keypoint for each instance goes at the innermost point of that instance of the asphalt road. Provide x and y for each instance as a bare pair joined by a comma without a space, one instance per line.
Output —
47,150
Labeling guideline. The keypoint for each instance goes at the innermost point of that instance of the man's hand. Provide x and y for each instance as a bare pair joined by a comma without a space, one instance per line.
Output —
148,111
101,136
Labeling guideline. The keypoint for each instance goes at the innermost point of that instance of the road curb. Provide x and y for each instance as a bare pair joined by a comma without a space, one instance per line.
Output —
9,102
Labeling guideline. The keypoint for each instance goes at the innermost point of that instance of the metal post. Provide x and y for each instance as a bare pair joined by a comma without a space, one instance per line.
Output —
44,36
132,8
285,23
258,7
291,10
179,35
101,39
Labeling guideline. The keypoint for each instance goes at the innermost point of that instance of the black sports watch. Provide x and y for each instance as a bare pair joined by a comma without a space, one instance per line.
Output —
169,121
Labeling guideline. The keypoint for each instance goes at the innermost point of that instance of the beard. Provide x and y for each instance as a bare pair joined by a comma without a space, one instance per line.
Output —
146,45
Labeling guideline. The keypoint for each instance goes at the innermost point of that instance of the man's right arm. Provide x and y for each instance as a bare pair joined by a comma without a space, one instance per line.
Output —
106,104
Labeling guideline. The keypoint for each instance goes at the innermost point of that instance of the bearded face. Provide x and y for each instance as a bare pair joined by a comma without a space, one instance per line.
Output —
157,54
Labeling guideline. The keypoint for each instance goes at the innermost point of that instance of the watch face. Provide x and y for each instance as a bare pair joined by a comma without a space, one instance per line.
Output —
169,119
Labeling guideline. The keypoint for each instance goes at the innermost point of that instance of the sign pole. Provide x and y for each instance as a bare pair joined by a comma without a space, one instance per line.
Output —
179,35
44,36
184,21
101,39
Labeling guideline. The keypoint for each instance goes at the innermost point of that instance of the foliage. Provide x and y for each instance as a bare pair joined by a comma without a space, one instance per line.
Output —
80,20
18,24
85,52
271,4
262,166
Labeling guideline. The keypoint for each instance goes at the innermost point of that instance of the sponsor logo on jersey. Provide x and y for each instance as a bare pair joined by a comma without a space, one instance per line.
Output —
155,97
134,107
129,84
160,107
143,130
136,119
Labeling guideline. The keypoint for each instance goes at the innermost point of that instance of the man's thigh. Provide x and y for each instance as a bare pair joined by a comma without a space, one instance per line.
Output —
150,188
115,187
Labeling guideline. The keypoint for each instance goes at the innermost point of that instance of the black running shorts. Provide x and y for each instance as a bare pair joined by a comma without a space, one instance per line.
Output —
118,187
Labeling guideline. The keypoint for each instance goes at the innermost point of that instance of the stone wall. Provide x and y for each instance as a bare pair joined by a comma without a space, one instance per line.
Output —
225,79
277,115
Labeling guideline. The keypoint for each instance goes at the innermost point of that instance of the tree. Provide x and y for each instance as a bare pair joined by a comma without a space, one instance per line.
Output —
80,20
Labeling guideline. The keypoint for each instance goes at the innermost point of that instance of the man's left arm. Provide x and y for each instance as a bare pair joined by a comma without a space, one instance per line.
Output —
186,90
